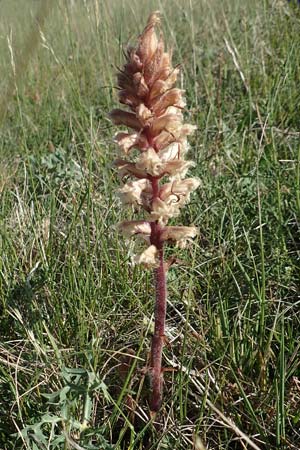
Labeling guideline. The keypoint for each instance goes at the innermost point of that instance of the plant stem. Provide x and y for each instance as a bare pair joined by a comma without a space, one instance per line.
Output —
156,372
159,333
159,314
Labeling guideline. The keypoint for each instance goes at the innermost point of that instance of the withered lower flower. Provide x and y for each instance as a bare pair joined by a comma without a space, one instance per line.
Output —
135,193
149,258
181,235
139,228
155,180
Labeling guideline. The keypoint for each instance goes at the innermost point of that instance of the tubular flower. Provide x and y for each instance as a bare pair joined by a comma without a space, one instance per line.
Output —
149,258
138,228
153,181
181,235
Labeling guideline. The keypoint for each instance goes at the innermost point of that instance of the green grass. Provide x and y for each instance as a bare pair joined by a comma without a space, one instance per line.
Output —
72,307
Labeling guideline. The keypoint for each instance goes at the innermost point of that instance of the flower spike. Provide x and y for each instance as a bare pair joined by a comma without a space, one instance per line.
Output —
154,181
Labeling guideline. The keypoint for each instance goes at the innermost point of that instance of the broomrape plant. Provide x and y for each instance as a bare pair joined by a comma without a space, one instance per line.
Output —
155,181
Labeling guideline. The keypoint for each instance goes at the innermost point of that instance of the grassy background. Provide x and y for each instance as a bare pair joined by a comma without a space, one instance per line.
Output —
73,311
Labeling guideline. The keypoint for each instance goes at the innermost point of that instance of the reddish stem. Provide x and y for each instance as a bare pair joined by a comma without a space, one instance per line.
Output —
159,334
159,314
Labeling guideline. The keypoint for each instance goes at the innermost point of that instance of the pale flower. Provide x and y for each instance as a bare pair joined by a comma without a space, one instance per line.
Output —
173,97
144,114
174,110
162,211
149,258
170,152
170,123
178,191
166,78
164,139
126,141
177,134
180,234
177,169
132,192
150,162
140,228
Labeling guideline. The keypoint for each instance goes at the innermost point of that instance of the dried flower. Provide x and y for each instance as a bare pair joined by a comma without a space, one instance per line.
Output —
149,258
154,181
181,235
139,228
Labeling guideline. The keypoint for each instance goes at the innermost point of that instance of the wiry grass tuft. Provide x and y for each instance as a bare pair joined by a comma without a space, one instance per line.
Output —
76,317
